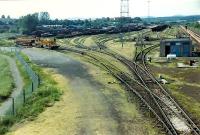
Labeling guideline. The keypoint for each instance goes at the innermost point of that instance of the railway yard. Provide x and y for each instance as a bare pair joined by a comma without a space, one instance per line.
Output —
110,85
151,93
99,67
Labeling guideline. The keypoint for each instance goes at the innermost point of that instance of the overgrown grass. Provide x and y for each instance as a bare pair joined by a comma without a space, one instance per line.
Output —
7,35
189,103
5,42
45,96
24,74
127,51
89,41
177,79
6,81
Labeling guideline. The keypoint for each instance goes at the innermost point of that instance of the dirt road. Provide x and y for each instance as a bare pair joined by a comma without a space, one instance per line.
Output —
87,107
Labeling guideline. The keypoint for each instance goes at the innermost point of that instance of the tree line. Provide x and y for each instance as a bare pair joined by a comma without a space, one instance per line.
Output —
29,22
195,25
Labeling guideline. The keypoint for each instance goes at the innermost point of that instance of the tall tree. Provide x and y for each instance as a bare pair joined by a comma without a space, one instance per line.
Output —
44,17
137,20
3,17
87,23
8,17
28,23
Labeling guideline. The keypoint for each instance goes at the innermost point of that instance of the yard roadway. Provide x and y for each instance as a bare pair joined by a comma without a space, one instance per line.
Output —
85,107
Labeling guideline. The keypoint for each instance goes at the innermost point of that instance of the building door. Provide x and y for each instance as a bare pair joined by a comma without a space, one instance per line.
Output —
167,50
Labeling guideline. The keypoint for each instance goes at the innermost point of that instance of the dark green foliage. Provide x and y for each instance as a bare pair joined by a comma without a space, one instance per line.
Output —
195,25
96,23
3,17
44,17
5,123
28,23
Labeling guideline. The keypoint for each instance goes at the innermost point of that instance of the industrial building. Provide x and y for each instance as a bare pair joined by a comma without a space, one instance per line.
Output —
181,47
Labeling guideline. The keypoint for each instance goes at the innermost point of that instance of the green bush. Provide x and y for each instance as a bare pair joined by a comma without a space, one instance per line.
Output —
4,42
5,123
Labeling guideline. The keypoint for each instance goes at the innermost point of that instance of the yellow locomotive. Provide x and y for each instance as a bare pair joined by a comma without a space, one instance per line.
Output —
37,42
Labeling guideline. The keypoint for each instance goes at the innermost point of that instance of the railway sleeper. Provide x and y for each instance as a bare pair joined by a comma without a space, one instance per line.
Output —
149,81
147,112
154,106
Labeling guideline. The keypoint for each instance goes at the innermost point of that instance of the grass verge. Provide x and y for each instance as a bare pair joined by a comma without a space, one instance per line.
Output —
5,42
6,81
191,105
45,96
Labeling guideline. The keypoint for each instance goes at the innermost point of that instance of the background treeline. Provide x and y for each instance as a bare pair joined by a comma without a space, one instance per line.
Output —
195,25
28,23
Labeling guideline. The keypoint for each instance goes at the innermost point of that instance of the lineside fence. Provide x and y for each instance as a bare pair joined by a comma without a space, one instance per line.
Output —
13,103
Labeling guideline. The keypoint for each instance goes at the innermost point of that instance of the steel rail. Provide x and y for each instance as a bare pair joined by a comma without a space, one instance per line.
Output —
182,113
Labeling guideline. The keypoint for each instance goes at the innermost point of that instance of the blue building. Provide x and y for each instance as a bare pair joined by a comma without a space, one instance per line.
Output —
181,47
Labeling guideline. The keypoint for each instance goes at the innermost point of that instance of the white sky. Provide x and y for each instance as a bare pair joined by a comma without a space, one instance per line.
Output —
98,8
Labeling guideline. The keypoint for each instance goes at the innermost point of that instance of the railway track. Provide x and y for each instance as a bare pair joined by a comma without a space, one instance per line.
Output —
100,41
131,84
148,90
180,121
192,34
176,118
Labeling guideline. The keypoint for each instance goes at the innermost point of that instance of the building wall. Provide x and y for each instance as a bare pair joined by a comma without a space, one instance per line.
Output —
180,48
162,49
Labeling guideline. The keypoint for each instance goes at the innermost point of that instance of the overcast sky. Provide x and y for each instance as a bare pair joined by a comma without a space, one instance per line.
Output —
98,8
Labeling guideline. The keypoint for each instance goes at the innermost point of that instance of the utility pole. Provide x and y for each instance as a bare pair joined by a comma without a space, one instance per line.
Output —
124,8
124,13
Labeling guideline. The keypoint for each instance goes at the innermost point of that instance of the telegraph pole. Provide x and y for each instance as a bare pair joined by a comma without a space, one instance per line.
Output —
124,8
148,4
124,13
